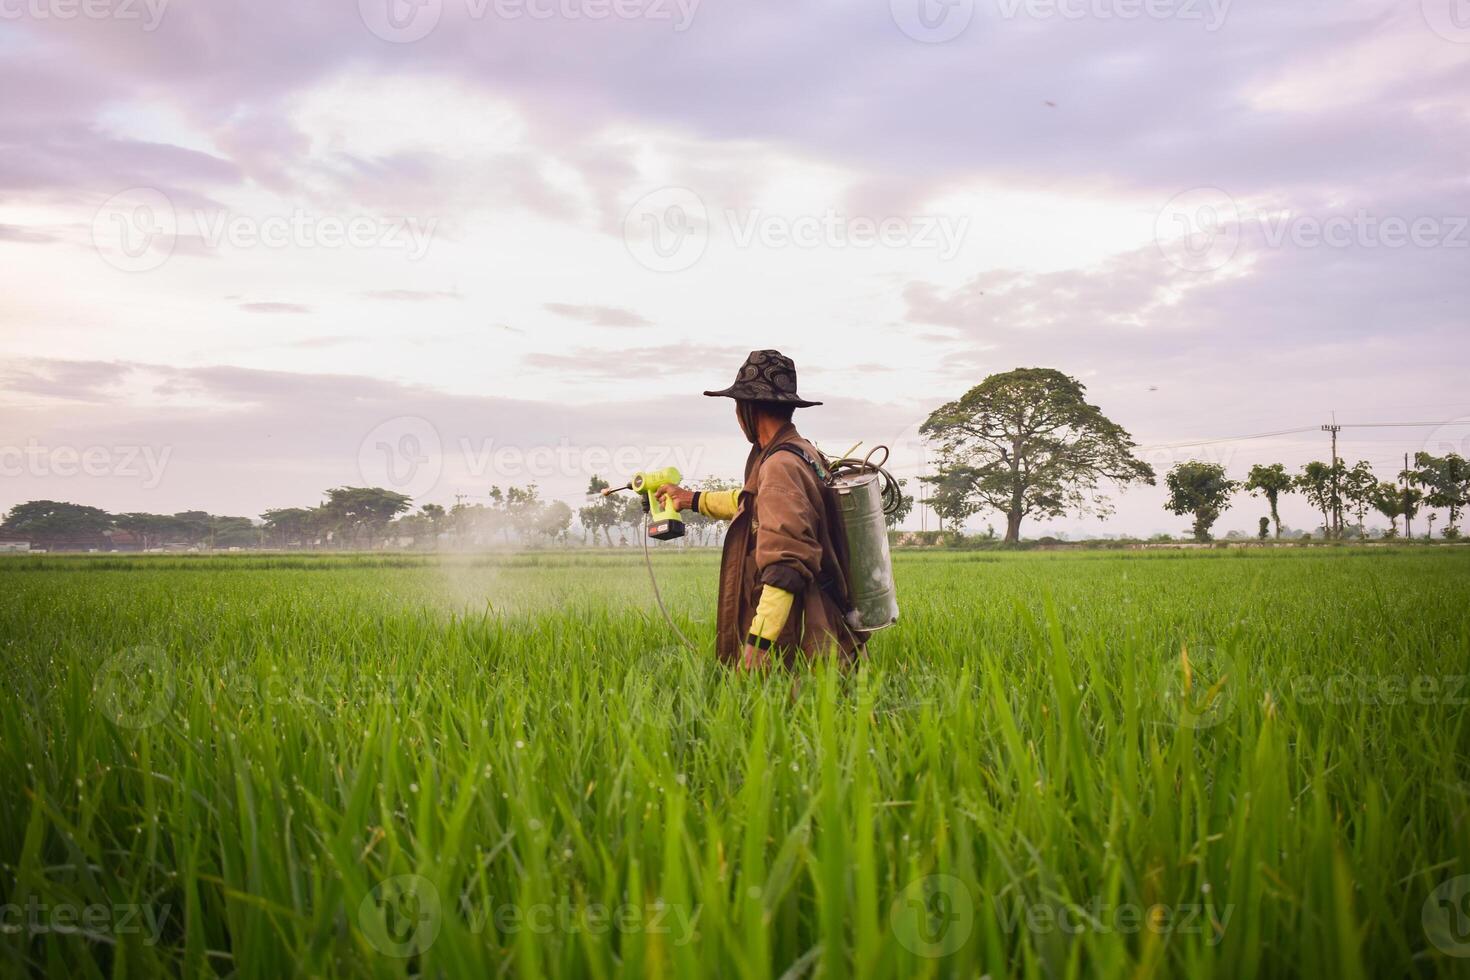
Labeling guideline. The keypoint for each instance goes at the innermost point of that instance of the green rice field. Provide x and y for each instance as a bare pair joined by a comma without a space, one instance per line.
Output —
1167,764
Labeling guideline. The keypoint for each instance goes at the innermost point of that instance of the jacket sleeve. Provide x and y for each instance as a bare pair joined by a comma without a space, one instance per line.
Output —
788,553
719,504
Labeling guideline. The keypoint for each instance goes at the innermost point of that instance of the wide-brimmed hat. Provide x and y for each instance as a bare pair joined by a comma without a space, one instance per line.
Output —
766,376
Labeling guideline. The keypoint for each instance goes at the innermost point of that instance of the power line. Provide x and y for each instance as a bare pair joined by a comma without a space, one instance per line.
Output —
1298,431
1410,425
1211,442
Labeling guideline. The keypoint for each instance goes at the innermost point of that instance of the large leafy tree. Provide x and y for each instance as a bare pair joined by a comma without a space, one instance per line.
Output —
904,508
286,525
554,520
522,509
631,517
363,513
952,495
600,513
151,530
233,532
1358,487
1201,489
1319,482
1030,444
48,519
423,526
1446,483
1270,482
1388,500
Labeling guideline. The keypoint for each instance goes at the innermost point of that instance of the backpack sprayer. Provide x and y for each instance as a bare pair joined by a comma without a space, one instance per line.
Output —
865,494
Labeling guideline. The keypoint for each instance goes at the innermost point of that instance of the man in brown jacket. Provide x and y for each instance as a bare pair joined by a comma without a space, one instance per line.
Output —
782,584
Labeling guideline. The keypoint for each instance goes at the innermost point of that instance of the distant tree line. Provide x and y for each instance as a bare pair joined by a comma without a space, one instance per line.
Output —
349,518
1027,443
365,518
1202,490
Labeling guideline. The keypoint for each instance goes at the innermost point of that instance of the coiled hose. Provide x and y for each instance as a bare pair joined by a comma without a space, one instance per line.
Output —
849,466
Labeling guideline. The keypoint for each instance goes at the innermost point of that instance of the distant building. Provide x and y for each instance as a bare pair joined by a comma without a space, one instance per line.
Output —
14,545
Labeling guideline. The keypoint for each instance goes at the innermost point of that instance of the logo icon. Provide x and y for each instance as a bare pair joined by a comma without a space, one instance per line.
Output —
401,916
933,916
667,230
932,21
400,21
1451,437
134,688
1450,19
135,230
402,454
1446,916
1198,687
1199,230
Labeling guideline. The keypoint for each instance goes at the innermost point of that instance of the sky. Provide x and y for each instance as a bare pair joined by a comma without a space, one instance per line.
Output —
253,249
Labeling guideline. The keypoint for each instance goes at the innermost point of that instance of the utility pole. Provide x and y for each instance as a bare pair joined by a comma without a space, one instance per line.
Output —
1334,428
1404,476
923,508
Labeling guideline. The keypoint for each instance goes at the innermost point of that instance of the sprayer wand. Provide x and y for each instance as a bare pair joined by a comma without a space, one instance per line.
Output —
662,524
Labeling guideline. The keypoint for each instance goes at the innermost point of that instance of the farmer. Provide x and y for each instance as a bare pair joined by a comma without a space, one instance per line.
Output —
781,580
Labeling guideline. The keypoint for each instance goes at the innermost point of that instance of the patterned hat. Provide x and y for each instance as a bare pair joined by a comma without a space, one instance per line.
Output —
766,376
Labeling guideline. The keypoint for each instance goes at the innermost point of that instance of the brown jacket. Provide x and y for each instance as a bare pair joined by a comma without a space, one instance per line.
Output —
780,536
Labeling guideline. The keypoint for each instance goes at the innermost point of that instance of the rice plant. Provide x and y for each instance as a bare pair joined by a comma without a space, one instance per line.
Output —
1202,765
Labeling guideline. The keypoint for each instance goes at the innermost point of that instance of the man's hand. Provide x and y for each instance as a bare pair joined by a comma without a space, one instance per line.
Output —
670,493
755,658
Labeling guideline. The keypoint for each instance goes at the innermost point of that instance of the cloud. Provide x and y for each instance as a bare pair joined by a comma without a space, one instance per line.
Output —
532,137
73,380
223,427
412,295
275,308
601,316
321,343
26,236
633,363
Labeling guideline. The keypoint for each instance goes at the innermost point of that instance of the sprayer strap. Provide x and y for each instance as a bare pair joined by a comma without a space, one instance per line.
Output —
822,474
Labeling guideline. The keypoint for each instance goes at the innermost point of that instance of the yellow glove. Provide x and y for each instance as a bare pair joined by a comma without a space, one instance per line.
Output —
770,617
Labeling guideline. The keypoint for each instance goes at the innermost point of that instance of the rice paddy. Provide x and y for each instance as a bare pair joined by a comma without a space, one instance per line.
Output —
1234,765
